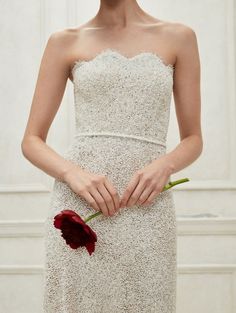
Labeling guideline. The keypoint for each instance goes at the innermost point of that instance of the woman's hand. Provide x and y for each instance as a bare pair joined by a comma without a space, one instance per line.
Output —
96,189
147,183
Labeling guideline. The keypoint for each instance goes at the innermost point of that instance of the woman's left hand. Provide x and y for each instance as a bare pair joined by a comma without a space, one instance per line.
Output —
147,183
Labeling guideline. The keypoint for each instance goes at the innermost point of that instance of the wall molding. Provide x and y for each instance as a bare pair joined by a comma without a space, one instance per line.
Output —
24,188
206,226
212,185
185,226
207,185
205,268
21,269
211,268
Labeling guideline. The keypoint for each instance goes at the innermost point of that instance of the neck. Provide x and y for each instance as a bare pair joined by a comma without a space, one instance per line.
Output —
119,13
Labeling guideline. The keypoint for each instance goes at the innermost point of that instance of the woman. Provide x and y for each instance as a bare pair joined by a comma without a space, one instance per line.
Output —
124,65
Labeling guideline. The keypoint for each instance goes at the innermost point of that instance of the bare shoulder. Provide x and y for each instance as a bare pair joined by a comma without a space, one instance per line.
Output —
178,32
64,38
184,42
62,45
185,35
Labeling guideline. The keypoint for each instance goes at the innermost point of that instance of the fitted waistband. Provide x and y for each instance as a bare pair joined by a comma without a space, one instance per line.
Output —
159,142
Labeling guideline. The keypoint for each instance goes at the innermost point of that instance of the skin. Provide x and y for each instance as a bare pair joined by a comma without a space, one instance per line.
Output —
121,24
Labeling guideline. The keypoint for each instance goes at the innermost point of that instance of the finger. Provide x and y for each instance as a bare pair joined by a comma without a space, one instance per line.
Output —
108,199
114,194
130,188
152,196
134,197
100,201
146,193
91,201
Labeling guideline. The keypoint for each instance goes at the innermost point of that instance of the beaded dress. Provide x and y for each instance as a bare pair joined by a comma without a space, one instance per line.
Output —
122,107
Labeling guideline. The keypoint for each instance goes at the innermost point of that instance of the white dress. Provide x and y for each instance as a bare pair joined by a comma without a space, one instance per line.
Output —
122,107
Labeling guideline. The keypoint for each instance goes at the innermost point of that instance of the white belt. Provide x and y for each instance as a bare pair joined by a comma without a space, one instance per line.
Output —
159,142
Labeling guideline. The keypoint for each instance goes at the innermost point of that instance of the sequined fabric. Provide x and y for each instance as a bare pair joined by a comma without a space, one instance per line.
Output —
121,113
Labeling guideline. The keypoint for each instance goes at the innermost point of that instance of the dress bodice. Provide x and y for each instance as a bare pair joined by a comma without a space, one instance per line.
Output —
119,95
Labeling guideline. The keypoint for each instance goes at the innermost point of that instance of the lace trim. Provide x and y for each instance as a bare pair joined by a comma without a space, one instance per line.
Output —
119,54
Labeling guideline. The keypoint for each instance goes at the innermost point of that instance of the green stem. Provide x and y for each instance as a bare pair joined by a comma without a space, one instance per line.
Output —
92,216
176,182
167,186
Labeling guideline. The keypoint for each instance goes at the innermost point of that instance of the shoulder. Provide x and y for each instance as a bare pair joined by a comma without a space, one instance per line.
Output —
186,44
178,32
182,39
63,45
185,34
63,38
182,36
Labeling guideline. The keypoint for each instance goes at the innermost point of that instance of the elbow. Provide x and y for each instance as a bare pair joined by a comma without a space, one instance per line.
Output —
29,143
197,143
200,145
24,145
201,142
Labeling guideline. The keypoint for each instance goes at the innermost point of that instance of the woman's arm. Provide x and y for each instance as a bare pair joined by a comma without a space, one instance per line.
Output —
49,90
54,71
187,98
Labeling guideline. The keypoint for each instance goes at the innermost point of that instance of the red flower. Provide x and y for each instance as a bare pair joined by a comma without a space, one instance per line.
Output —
75,231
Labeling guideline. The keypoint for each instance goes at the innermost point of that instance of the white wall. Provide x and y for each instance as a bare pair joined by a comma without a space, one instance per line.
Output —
205,205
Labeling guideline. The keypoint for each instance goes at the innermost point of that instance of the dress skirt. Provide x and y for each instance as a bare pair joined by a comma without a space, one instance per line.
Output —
133,268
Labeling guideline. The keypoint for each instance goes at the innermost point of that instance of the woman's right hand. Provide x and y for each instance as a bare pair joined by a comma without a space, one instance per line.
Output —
96,189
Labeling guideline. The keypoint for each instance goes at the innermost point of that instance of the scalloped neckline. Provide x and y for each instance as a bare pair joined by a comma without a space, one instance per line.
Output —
124,57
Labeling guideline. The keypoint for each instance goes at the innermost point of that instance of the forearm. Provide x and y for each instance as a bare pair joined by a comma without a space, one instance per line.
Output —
41,155
185,153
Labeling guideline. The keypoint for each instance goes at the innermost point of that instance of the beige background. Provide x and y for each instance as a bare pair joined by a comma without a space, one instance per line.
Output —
205,206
